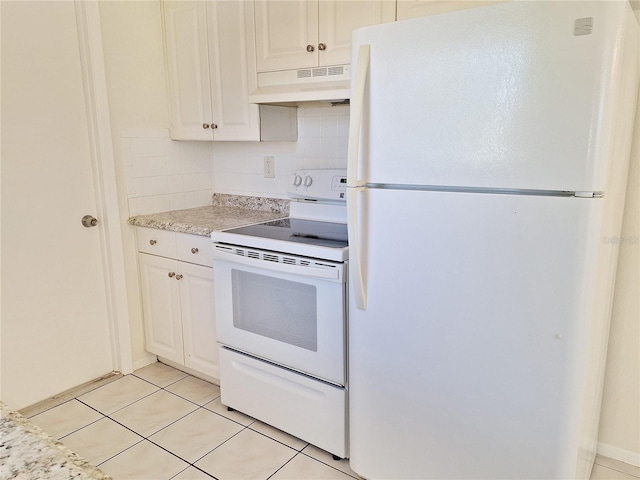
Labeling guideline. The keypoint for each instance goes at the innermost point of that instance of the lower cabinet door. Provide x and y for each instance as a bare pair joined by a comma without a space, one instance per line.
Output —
161,304
198,319
309,409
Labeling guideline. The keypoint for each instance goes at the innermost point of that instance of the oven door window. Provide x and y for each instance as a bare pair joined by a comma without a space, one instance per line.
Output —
276,308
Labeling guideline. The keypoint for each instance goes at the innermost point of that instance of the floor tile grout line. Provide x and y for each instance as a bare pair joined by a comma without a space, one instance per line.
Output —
275,439
121,451
129,404
234,435
84,426
283,465
191,465
327,464
73,431
188,399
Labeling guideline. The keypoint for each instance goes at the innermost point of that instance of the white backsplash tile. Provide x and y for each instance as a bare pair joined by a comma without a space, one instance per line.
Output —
162,174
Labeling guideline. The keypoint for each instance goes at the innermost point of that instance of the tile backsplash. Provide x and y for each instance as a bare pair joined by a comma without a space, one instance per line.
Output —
163,174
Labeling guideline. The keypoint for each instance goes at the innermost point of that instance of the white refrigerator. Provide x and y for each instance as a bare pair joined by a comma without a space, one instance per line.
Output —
488,157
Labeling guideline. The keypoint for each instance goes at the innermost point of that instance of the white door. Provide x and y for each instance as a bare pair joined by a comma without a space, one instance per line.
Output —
292,314
469,357
232,70
198,319
185,30
55,330
338,18
286,35
161,304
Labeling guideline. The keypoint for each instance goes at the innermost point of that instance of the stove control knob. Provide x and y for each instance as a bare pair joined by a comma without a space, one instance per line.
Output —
297,180
308,181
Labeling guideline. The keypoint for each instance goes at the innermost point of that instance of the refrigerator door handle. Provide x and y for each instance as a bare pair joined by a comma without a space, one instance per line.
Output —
356,279
355,121
354,185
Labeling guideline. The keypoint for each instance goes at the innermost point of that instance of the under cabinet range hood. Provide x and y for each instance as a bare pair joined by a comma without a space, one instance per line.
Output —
324,84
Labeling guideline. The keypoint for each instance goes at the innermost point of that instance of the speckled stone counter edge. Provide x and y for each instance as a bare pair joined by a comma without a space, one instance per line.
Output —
28,452
275,205
227,211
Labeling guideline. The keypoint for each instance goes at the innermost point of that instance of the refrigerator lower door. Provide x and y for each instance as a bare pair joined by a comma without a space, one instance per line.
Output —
469,359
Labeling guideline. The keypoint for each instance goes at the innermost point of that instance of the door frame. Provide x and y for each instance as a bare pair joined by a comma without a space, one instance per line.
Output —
104,178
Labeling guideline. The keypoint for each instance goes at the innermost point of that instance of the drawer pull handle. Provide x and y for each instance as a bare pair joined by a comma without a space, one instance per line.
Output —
152,242
194,250
172,274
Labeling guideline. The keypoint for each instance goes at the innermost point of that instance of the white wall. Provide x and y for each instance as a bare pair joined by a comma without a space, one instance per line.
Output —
135,69
620,415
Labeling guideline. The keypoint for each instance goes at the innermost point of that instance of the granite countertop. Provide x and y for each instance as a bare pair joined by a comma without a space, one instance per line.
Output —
227,211
27,452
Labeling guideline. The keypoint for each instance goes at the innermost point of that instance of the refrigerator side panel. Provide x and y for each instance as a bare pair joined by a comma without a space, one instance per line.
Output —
501,96
470,358
606,251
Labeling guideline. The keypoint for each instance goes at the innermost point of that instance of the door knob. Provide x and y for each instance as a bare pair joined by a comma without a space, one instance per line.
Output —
322,46
310,48
89,221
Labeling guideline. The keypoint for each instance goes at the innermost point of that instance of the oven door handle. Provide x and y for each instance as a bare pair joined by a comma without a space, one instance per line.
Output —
333,273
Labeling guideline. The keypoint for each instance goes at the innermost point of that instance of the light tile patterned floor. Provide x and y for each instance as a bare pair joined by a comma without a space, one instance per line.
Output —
160,423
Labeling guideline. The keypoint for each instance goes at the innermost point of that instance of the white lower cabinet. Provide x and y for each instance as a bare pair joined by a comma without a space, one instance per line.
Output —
177,299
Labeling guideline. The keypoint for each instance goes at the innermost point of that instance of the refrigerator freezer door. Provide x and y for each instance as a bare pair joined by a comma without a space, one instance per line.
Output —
502,96
468,361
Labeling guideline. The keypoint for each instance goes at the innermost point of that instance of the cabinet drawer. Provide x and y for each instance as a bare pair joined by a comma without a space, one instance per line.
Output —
156,242
309,409
195,249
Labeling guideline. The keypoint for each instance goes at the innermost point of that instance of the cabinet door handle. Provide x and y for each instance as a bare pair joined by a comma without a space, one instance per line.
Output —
214,126
205,125
194,250
178,276
172,274
322,46
152,242
310,48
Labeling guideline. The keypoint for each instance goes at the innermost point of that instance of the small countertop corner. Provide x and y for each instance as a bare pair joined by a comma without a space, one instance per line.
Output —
28,452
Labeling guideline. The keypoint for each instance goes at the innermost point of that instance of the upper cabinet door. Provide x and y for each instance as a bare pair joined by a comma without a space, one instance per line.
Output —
232,69
338,18
419,8
211,68
187,70
293,34
286,34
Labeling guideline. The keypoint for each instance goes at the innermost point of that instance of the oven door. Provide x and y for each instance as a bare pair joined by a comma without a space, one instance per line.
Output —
286,309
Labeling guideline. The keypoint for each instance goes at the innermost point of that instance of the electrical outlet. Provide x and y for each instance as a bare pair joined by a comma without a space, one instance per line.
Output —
269,167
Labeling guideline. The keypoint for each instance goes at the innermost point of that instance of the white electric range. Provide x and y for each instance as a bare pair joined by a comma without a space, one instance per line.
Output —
281,305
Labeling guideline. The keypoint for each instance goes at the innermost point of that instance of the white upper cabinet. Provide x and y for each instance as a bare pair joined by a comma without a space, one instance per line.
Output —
338,18
210,58
294,34
419,8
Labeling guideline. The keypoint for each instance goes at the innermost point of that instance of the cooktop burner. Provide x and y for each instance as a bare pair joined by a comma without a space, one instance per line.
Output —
310,238
310,232
316,226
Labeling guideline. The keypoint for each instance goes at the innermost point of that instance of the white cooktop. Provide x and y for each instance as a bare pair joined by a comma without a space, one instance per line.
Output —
316,226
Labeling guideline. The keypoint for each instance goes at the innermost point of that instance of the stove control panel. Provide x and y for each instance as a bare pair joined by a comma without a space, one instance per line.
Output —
319,184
